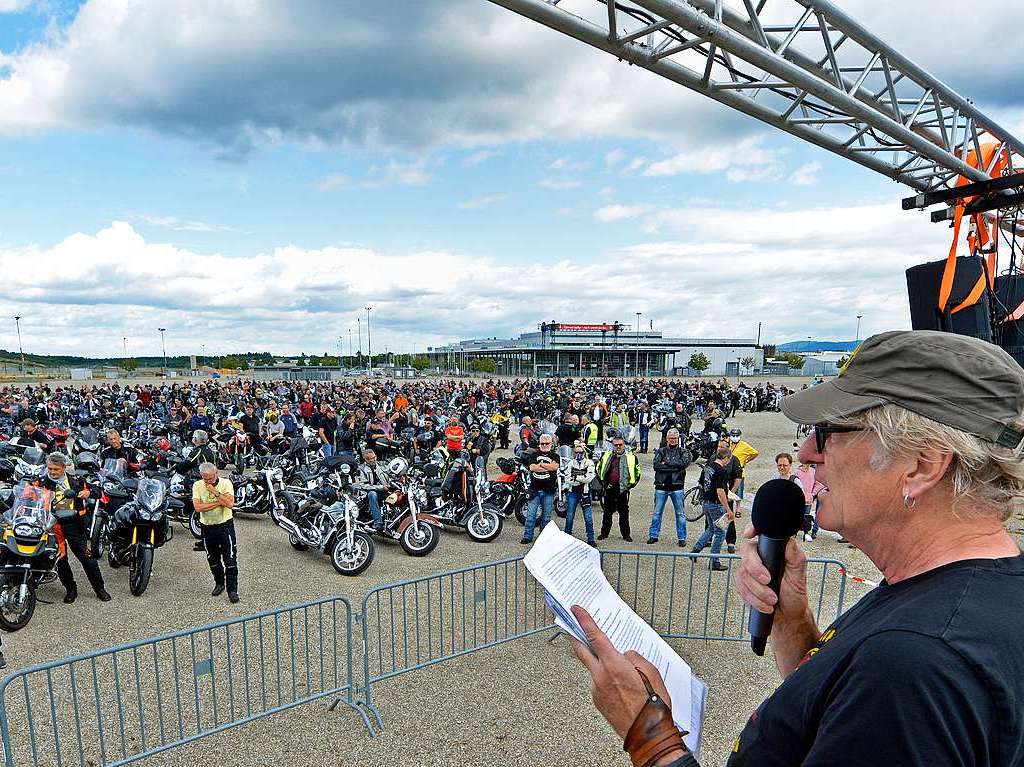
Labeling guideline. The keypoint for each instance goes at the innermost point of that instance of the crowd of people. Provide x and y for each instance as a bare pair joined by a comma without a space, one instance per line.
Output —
529,416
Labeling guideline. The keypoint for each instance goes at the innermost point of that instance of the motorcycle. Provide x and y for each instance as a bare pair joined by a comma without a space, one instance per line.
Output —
482,523
30,465
263,492
87,441
137,530
328,520
508,492
29,554
417,532
116,490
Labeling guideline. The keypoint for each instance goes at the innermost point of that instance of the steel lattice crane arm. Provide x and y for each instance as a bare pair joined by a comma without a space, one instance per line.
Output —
805,67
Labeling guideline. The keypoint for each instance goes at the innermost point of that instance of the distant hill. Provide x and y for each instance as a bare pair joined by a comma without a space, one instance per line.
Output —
803,347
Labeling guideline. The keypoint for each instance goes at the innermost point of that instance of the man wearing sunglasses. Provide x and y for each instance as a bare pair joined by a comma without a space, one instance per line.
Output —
918,444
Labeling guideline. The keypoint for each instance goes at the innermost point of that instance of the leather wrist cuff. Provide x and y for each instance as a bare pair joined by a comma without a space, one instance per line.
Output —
653,734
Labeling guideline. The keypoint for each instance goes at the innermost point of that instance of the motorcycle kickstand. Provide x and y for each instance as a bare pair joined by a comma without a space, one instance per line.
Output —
553,637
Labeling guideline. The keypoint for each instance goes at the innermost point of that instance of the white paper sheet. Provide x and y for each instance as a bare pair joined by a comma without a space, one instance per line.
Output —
570,572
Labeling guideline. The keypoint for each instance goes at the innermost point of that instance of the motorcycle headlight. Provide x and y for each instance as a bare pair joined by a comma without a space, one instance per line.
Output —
25,530
144,514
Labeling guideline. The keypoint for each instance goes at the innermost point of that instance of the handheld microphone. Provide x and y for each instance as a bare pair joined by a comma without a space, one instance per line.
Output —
777,514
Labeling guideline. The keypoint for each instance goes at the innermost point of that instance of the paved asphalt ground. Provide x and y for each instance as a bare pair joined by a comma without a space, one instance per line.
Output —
525,702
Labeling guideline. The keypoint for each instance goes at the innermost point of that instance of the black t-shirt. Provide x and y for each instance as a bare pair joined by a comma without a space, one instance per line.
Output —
713,478
542,480
925,672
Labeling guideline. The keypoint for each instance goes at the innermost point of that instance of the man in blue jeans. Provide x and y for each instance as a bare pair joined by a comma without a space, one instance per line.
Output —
714,484
542,464
670,464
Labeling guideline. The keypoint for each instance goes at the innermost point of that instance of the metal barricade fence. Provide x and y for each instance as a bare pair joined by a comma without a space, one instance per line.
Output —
121,704
416,623
420,622
682,598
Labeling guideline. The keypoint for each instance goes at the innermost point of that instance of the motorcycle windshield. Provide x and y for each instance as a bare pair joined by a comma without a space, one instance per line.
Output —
31,506
89,436
114,469
150,494
33,456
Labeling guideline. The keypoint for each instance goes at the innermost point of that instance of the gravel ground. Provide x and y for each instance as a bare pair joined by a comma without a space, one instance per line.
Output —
524,702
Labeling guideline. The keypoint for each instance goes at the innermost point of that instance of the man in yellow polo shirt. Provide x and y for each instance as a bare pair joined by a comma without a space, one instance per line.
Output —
214,497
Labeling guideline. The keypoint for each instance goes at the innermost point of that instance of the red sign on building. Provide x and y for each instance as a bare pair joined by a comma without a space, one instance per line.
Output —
600,328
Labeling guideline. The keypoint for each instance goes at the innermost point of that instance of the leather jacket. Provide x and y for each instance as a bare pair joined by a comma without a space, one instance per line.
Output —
670,467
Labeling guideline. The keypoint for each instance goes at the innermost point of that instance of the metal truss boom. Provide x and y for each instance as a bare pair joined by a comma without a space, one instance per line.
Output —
802,66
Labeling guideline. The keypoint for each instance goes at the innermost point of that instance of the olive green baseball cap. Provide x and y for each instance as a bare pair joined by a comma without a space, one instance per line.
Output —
965,383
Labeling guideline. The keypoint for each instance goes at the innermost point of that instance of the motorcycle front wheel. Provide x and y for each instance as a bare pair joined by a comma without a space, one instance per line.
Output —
485,528
355,559
140,570
286,507
12,616
419,543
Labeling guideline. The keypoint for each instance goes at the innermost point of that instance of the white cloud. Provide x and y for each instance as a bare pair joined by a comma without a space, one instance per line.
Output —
482,202
564,163
802,272
333,181
15,6
559,184
236,75
806,175
478,157
178,225
614,157
636,164
395,173
610,213
746,160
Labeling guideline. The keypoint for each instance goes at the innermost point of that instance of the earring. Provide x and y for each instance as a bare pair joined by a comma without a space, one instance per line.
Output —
908,501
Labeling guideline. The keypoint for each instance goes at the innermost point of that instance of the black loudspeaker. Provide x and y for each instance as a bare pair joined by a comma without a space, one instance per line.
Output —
923,283
1009,295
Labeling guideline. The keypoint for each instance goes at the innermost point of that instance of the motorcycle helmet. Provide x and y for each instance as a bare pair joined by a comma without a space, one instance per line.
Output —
397,467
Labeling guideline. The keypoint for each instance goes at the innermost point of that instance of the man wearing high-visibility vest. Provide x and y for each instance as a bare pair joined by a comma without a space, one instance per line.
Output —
619,473
588,433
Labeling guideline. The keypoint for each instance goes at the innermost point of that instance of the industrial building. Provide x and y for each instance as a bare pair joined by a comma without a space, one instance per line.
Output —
587,350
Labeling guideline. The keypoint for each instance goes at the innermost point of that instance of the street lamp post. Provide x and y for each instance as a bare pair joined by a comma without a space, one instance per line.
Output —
858,327
359,330
637,368
163,347
369,349
350,343
21,351
124,341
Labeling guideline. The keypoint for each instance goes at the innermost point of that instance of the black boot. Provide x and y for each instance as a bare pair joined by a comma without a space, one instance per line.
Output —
71,596
217,590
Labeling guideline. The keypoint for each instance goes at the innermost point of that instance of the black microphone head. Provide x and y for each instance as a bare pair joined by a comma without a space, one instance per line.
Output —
778,510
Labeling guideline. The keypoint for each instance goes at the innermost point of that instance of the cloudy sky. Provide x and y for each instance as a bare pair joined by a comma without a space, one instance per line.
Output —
249,174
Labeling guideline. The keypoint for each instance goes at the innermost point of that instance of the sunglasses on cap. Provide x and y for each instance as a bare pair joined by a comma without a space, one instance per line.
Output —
821,432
